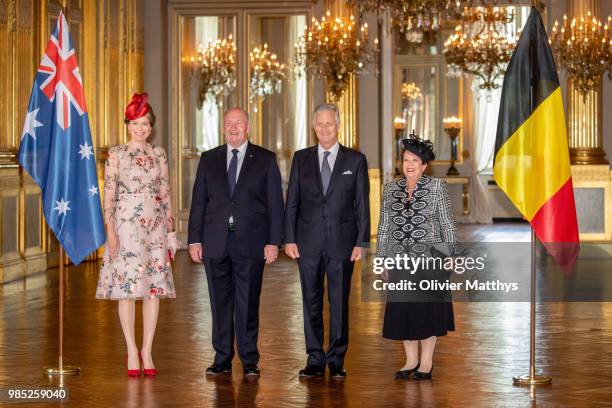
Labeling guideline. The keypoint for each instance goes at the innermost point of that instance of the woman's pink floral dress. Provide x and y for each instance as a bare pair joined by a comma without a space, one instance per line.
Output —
137,195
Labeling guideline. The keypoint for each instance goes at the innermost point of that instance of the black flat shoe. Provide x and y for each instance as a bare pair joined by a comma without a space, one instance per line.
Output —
218,369
251,371
405,374
337,372
418,375
312,371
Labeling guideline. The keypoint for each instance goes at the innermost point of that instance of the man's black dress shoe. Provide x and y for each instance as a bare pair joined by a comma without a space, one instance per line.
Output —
251,370
405,374
418,375
218,369
312,371
337,372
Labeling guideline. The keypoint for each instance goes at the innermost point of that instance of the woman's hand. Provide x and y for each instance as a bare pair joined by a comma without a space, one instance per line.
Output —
112,243
173,245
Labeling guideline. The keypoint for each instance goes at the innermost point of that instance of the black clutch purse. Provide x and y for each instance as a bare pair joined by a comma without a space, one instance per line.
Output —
438,272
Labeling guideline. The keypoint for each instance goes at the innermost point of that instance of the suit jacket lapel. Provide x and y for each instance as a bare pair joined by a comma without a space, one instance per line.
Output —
247,163
314,160
336,171
222,159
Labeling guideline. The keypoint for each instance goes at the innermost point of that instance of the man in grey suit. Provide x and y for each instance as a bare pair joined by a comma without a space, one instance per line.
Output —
327,227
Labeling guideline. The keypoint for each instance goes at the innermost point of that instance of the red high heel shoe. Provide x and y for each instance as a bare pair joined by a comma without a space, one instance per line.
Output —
151,372
133,373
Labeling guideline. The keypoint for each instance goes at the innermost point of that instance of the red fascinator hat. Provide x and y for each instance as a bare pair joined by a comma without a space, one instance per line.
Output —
138,107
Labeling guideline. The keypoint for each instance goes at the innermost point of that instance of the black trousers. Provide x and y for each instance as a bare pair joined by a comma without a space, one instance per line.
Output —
234,286
312,273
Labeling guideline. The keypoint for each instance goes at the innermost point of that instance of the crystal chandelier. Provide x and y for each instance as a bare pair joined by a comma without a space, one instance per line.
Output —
412,94
333,49
267,74
215,68
583,49
480,46
412,18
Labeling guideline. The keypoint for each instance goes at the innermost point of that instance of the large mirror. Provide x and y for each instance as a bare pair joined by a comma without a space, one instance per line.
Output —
419,98
200,125
423,94
279,122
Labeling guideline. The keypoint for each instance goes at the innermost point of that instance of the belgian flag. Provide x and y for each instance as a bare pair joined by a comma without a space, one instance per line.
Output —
532,163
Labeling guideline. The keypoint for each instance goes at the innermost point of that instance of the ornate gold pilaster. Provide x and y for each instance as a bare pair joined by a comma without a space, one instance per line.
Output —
348,105
585,114
375,201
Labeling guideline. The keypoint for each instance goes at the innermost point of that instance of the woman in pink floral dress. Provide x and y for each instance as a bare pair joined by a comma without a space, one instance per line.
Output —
140,229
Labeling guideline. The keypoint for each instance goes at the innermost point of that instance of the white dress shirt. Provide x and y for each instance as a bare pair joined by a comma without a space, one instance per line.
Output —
241,153
331,159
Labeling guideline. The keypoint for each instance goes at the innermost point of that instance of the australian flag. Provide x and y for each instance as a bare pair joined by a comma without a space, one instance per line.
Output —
56,149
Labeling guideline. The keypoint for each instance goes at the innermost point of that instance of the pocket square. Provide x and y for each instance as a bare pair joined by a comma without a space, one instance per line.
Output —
347,172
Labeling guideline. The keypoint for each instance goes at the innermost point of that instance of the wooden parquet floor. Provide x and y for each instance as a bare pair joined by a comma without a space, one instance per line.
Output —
473,366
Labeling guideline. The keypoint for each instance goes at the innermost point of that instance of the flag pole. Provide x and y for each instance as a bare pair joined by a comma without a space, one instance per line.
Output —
62,369
532,378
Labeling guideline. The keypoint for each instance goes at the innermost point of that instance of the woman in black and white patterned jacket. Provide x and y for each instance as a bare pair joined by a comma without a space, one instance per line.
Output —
416,215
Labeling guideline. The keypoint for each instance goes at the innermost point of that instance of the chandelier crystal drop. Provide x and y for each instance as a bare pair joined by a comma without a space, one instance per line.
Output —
412,18
215,69
481,46
267,73
583,48
334,49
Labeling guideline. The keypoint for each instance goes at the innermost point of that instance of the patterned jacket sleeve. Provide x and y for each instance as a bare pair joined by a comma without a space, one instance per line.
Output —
444,213
111,179
382,240
164,190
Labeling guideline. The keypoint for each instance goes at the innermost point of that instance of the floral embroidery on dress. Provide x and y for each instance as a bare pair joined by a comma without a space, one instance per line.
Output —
137,197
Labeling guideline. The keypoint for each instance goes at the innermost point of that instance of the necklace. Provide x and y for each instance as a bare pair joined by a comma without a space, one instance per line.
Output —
410,190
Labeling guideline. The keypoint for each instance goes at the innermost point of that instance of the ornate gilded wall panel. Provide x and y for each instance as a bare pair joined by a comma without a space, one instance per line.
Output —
32,214
25,43
114,74
10,225
11,263
135,48
32,243
88,63
375,200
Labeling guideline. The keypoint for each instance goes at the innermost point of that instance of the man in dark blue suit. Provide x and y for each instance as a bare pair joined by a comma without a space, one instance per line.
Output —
327,227
235,226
